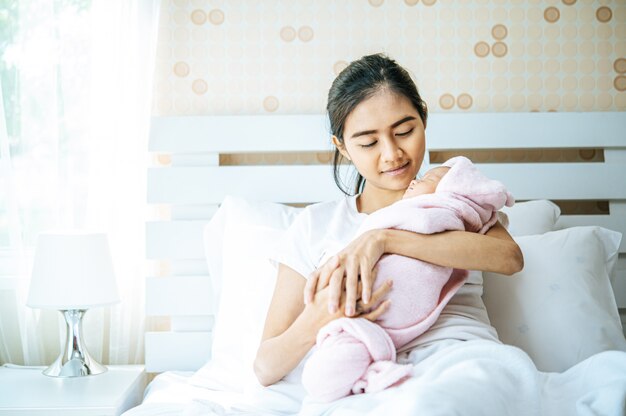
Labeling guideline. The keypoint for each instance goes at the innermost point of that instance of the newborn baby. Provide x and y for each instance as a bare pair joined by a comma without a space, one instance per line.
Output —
427,184
356,355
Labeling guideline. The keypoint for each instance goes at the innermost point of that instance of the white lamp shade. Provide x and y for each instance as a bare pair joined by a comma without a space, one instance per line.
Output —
72,270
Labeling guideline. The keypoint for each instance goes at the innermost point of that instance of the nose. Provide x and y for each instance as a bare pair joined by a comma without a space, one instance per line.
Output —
390,150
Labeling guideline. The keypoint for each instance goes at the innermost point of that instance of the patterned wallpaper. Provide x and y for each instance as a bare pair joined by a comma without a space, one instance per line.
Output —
280,56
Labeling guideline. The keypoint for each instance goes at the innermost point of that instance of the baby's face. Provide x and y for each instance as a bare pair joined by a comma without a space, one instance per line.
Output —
427,184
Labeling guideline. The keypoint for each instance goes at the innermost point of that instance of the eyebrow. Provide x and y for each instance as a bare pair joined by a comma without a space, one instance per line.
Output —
397,123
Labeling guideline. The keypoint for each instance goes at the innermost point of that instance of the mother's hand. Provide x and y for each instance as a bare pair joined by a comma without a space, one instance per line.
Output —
317,311
357,259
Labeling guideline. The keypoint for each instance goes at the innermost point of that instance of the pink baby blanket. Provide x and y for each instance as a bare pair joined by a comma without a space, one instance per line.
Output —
354,355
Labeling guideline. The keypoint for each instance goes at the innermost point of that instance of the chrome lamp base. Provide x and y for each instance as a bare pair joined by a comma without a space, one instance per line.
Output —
75,361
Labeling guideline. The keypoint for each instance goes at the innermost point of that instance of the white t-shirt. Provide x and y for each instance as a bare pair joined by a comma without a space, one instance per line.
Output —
323,229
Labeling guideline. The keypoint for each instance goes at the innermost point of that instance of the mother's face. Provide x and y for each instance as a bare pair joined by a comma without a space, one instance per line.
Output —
384,133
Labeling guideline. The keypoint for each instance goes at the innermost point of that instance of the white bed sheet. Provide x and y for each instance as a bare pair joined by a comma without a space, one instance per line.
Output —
466,378
171,394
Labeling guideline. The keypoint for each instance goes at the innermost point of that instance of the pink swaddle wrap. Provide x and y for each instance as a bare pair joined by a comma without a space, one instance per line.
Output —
355,355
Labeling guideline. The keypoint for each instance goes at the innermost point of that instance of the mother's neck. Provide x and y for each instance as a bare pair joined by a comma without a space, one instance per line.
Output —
372,199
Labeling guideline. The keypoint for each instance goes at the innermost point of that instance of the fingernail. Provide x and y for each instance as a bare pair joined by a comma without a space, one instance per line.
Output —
390,282
332,308
349,310
366,299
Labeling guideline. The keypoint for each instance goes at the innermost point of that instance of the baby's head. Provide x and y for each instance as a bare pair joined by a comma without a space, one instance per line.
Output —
427,184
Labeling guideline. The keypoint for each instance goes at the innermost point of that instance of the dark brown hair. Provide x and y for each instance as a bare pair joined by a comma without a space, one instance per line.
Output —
359,81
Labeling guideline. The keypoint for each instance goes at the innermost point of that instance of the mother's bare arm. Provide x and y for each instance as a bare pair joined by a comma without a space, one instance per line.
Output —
494,251
288,333
291,327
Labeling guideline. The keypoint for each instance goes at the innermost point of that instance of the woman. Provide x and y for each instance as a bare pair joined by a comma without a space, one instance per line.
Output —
377,119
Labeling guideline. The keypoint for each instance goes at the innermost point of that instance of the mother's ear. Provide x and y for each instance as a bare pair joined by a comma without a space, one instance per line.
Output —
341,147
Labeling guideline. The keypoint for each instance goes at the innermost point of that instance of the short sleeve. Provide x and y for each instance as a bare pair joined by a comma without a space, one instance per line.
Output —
294,248
504,219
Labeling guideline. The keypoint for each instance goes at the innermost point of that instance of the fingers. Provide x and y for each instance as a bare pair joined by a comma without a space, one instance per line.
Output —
318,279
326,272
366,280
376,296
311,285
352,281
382,308
335,289
381,291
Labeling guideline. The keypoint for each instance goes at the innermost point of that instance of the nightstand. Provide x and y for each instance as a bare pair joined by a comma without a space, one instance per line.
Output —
26,391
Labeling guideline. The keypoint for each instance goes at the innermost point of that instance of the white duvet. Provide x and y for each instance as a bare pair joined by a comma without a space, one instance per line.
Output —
475,377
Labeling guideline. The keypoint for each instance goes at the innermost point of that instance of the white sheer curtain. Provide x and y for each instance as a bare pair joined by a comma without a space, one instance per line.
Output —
77,86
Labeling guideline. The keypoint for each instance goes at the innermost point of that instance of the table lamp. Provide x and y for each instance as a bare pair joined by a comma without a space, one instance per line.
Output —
72,272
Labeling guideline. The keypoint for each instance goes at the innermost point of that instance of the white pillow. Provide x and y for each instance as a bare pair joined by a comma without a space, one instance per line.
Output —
212,237
235,208
560,308
250,232
532,217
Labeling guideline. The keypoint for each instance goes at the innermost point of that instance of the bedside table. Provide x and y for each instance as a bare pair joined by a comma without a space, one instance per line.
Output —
26,391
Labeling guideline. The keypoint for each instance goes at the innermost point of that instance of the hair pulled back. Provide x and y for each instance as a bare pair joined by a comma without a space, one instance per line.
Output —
359,81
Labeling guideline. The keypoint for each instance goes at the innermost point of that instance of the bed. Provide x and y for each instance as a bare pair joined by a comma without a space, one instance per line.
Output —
561,319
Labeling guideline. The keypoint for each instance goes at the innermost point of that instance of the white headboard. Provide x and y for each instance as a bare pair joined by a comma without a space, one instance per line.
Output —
189,183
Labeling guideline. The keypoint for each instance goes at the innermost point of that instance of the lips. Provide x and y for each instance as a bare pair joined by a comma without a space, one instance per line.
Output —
398,169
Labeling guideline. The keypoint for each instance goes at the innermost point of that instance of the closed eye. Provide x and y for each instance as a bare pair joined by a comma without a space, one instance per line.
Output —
398,134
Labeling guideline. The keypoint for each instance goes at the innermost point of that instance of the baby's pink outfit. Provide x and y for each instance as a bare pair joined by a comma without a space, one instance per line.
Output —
355,355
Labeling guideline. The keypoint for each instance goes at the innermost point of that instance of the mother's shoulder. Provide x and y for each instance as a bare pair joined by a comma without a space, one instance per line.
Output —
324,206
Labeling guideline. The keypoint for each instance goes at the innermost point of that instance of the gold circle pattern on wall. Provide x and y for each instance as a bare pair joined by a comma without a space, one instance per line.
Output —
551,14
481,49
270,104
216,16
199,86
288,33
375,3
604,14
305,33
181,69
198,17
499,49
579,63
464,101
499,32
446,101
